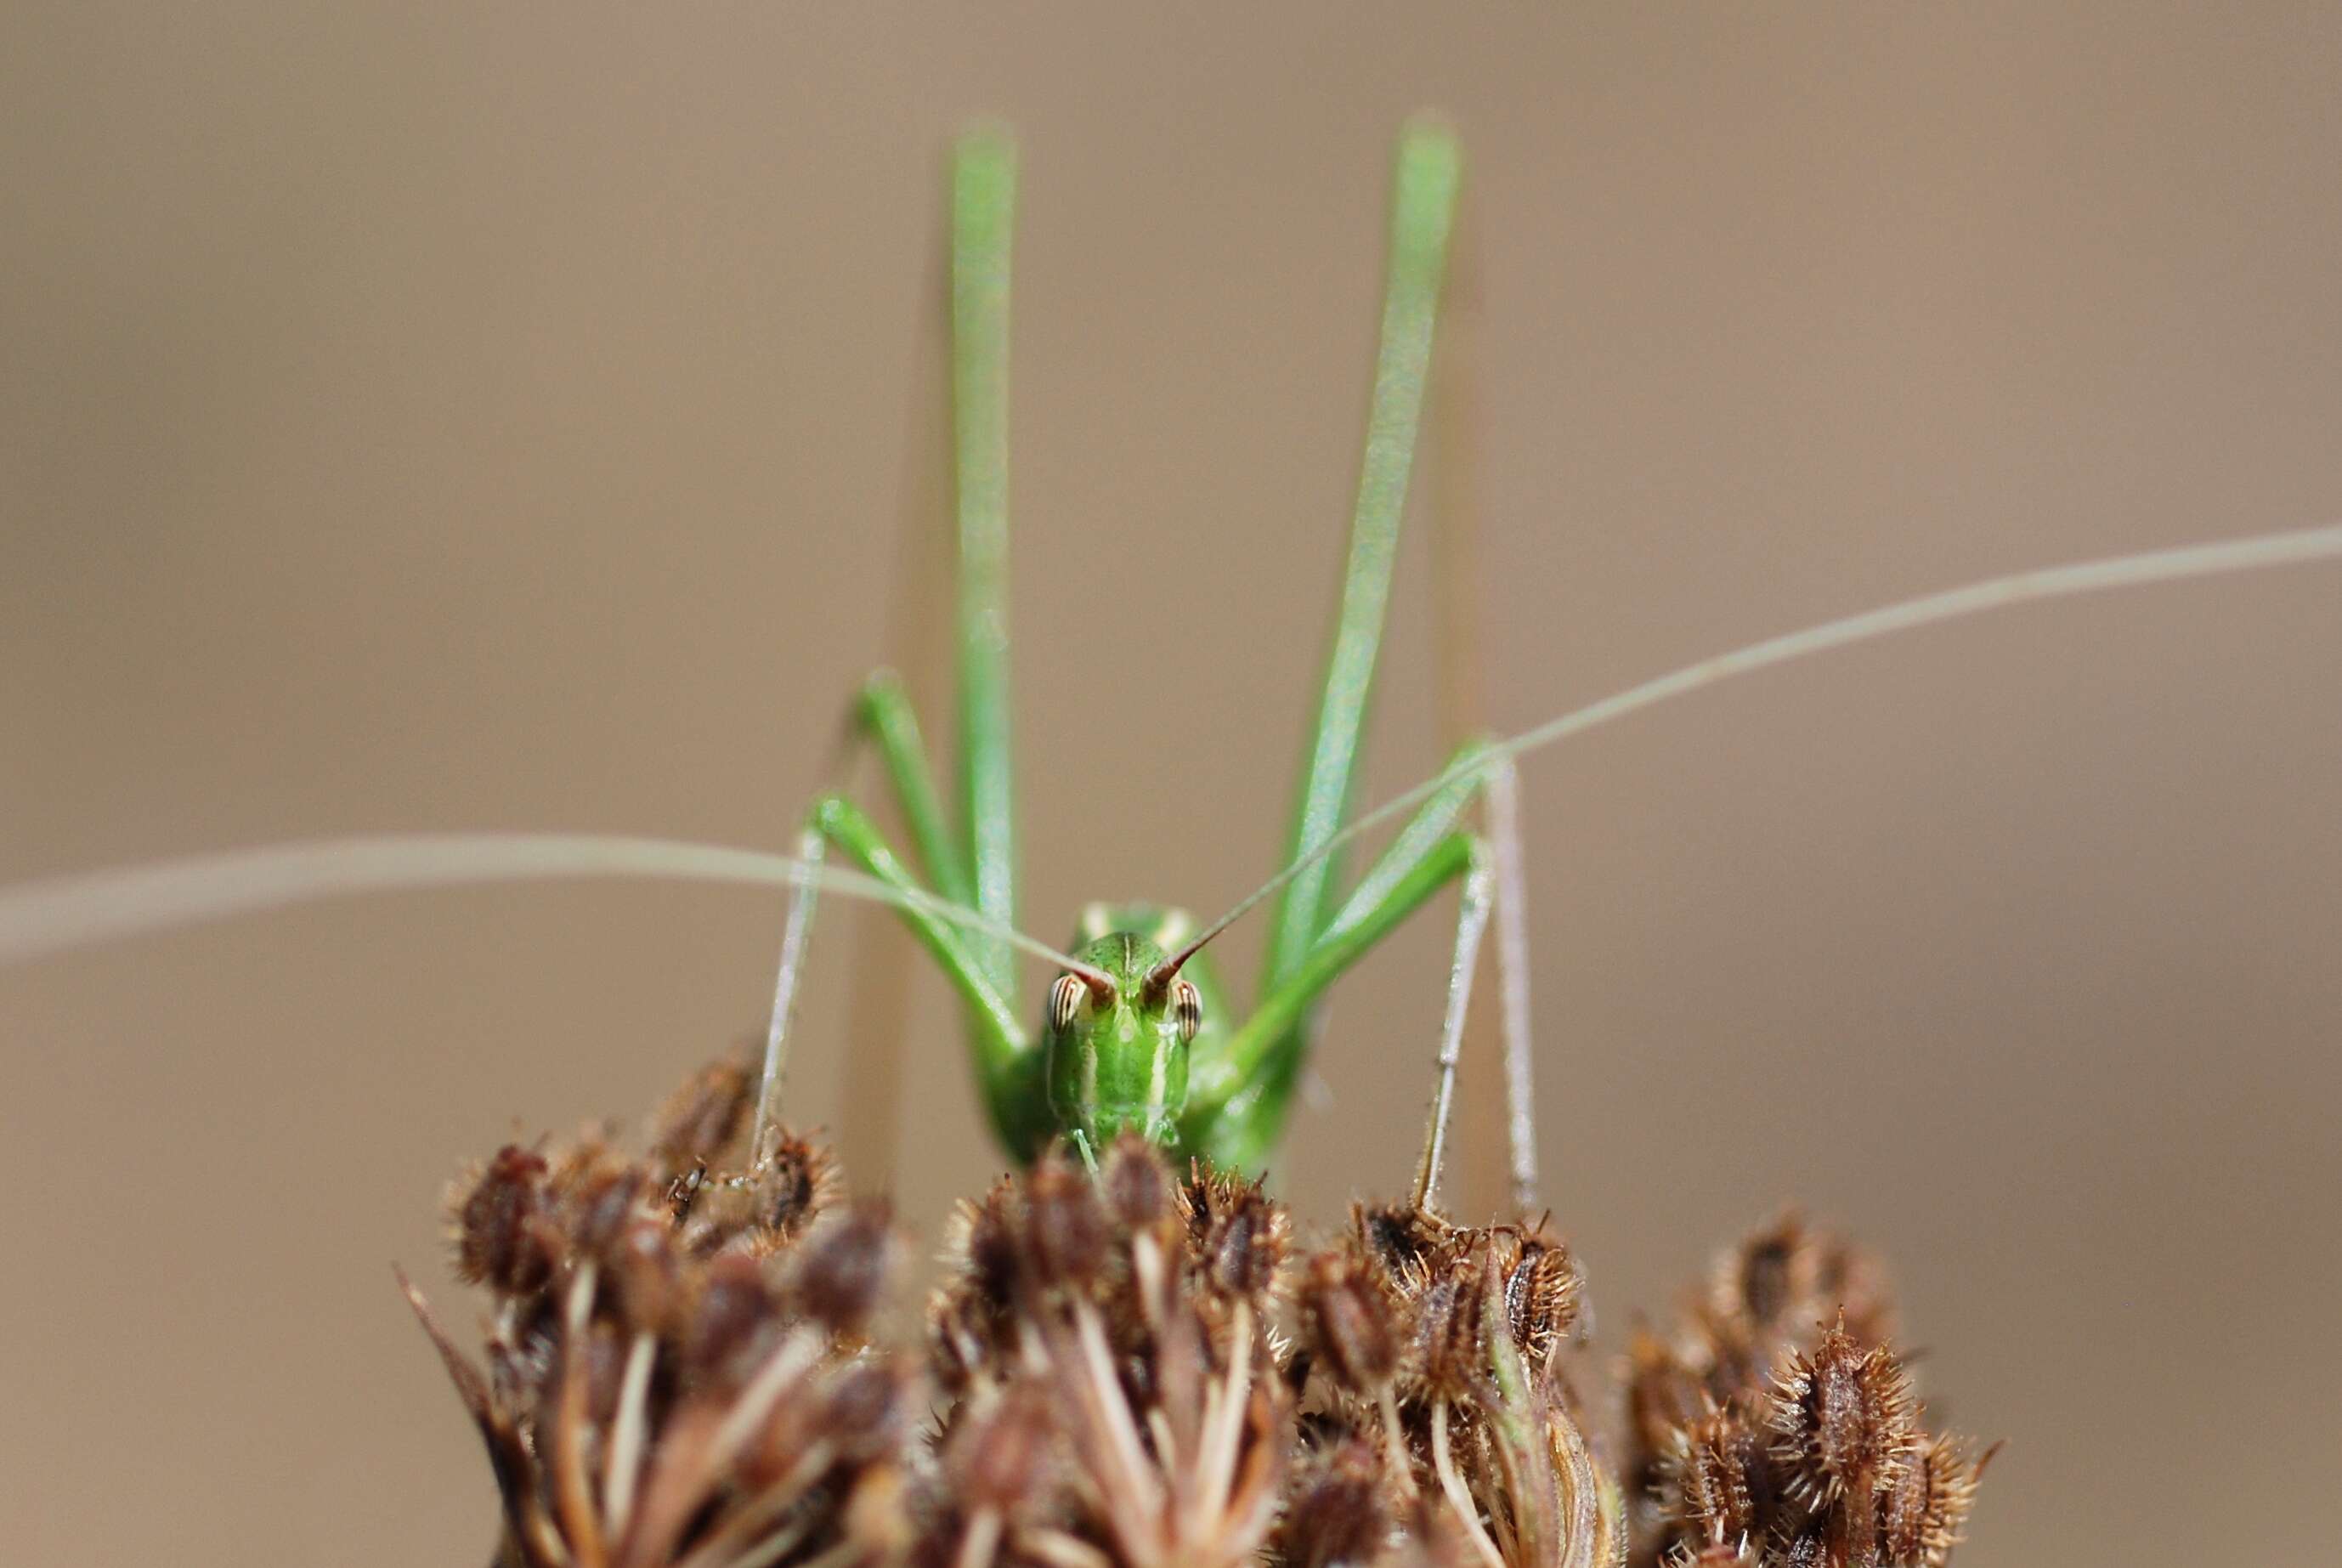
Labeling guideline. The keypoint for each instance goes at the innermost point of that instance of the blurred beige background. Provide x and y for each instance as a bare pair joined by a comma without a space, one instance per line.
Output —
437,416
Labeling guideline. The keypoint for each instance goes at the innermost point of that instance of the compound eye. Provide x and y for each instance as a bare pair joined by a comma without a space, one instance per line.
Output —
1065,994
1187,1010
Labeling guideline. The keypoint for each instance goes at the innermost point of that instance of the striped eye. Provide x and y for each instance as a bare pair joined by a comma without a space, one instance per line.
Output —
1187,1008
1066,1002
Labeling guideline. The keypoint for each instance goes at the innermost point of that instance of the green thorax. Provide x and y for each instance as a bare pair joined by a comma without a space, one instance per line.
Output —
1121,1065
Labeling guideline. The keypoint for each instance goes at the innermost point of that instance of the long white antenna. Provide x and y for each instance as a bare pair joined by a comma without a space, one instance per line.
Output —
2249,554
58,913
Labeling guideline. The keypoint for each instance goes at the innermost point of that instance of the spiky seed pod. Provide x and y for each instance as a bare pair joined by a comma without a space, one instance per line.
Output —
1542,1288
971,1316
837,1275
731,1323
869,1409
493,1224
1789,1275
1239,1237
981,1242
1663,1394
675,1376
644,1277
763,1209
1064,1236
1347,1326
791,1188
1401,1240
699,1121
1337,1509
1921,1518
1137,1185
602,1204
1842,1420
1004,1458
1448,1359
1715,1480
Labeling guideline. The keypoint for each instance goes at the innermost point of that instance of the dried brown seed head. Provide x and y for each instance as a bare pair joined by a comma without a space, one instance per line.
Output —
1004,1457
870,1409
983,1242
1542,1289
700,1121
838,1274
1346,1324
1065,1237
1337,1510
1715,1482
1403,1241
1921,1518
732,1321
649,1307
1843,1420
1787,1276
970,1317
1239,1237
1450,1358
602,1203
495,1222
790,1190
1136,1184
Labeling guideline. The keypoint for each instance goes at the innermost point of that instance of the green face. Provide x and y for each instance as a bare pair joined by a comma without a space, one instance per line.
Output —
1119,1064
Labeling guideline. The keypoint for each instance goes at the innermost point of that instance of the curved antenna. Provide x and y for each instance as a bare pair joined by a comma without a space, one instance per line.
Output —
2179,563
56,914
1159,977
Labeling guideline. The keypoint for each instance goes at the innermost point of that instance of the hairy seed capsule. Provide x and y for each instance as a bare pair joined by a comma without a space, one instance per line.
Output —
790,1190
1450,1356
1347,1324
1542,1290
699,1121
1404,1241
838,1274
1715,1480
731,1321
867,1411
1338,1513
1136,1183
603,1205
495,1245
1065,1234
1923,1515
1842,1417
646,1277
1003,1458
1240,1238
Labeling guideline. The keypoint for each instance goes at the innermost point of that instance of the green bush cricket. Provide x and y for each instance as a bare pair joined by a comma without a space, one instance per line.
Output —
1136,1033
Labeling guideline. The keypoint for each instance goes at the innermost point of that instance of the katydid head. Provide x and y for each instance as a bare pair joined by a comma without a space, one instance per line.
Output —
1117,1034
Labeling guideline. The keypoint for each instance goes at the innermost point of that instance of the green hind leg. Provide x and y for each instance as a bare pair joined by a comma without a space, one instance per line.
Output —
1422,215
977,870
1007,1060
984,203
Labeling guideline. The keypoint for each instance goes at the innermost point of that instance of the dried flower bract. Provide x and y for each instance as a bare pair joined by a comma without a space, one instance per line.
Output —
1136,1367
